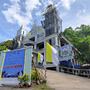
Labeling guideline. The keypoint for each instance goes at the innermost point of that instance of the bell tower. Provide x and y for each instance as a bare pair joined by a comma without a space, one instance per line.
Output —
20,36
52,25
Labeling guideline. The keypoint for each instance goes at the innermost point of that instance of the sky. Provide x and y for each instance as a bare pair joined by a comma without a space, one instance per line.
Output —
15,13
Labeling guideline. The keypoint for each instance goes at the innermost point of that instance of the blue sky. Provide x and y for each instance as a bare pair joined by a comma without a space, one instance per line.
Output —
14,13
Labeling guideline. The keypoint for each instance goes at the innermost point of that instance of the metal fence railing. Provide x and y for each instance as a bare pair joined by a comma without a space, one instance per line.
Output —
79,72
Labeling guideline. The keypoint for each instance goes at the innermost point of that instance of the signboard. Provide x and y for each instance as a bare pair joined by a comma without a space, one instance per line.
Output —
66,53
13,64
16,63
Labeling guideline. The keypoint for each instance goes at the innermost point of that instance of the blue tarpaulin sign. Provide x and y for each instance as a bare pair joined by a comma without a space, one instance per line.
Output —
15,63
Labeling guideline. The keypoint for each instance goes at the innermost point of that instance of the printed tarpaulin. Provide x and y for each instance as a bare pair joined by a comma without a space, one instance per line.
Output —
66,53
13,64
16,63
48,53
51,55
40,58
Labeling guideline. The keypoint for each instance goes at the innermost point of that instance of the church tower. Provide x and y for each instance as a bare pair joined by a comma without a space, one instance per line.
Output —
52,25
20,36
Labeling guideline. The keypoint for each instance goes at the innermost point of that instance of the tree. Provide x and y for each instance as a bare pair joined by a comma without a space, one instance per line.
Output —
84,48
3,47
80,38
71,35
6,45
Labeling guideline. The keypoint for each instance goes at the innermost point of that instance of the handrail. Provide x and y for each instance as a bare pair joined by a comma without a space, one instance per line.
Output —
74,71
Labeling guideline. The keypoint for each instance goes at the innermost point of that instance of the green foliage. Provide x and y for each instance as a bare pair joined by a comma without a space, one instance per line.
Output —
2,47
6,45
23,79
84,47
42,87
80,38
34,75
84,31
71,35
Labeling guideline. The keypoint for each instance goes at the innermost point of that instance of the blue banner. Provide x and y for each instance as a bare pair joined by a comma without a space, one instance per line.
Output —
13,64
66,53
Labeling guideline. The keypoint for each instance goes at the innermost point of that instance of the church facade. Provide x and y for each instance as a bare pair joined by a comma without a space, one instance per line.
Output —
50,32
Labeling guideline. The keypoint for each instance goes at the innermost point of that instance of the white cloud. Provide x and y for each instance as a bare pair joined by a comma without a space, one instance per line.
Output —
58,3
67,3
83,19
30,5
38,13
81,12
14,14
50,2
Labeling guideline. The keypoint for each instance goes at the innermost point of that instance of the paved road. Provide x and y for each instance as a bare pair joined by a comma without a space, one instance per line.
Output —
62,81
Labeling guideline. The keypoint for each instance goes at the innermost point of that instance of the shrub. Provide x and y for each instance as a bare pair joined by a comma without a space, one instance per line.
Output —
24,80
34,75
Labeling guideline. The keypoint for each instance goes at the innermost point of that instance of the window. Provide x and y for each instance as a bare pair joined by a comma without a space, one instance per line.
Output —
32,39
40,45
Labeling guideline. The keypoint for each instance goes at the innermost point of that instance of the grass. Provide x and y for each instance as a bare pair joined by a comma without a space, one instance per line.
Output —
34,87
42,87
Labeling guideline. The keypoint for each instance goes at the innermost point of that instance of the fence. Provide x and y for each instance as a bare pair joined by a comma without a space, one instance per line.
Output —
16,63
79,72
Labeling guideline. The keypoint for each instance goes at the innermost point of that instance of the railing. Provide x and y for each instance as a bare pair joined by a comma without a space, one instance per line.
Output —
79,72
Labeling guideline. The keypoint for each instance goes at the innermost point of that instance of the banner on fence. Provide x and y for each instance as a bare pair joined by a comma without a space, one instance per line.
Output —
66,53
40,58
15,63
51,55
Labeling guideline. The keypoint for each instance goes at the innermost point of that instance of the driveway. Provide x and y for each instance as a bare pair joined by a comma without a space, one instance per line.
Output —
62,81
